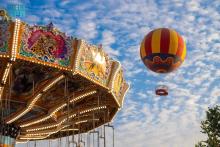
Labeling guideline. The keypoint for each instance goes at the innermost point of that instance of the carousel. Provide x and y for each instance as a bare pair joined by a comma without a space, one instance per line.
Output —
54,85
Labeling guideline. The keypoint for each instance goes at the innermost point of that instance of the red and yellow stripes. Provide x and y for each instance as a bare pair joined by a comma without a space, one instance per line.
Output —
164,41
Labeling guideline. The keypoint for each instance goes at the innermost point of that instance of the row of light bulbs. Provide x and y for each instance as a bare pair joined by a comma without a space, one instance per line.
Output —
15,39
52,83
80,122
31,138
1,91
40,136
60,122
65,119
32,102
5,56
4,78
58,129
93,109
45,63
22,113
64,130
37,136
6,73
84,121
57,109
47,132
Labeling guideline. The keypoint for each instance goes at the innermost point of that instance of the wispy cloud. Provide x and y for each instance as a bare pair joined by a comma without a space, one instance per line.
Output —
147,120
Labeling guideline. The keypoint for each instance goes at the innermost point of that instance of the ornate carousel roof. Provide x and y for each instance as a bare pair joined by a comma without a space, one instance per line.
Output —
53,84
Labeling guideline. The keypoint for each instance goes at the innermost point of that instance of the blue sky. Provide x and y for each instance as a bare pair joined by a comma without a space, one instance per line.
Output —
147,120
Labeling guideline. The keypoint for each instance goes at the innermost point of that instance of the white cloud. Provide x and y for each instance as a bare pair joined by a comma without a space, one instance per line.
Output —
32,19
87,30
108,39
147,120
194,5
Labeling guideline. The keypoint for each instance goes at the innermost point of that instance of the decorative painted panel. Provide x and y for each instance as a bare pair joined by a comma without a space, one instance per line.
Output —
6,35
94,63
119,86
47,44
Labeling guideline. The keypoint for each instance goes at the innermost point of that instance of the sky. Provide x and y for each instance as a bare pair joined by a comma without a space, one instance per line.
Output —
147,120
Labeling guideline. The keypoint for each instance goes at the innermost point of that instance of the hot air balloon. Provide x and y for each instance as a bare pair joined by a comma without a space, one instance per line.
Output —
163,50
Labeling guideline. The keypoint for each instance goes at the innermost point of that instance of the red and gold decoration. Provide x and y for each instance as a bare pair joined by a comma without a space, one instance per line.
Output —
54,85
46,44
93,62
118,84
163,50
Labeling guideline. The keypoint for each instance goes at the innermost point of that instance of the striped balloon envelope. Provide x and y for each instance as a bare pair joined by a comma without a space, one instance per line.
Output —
163,50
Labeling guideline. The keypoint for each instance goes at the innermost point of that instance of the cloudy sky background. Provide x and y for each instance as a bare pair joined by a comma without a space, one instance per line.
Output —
147,120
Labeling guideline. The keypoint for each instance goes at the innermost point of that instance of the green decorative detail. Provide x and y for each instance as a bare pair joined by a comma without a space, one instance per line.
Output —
65,63
4,48
5,35
47,45
24,53
119,84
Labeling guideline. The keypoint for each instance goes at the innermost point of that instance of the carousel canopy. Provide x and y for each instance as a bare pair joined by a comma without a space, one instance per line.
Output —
53,84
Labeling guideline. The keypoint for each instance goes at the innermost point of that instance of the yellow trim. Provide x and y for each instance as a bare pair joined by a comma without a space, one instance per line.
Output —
115,98
77,55
34,60
112,80
184,52
143,52
173,46
156,41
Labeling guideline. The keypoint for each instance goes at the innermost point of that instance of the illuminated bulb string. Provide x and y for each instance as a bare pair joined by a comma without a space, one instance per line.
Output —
57,109
6,73
56,130
69,130
65,119
4,78
1,92
26,110
32,102
52,83
34,136
15,39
